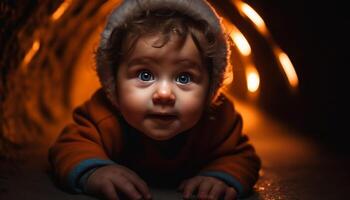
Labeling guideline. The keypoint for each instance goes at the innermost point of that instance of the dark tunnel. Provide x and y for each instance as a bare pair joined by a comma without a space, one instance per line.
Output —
47,69
51,67
41,78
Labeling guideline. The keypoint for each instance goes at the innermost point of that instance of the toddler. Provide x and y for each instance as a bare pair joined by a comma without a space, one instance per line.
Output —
159,117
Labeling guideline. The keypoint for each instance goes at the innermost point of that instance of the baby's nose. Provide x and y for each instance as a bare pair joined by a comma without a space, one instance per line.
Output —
164,94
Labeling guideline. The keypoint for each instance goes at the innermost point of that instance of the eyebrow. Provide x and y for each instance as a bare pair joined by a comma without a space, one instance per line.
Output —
140,60
192,64
184,62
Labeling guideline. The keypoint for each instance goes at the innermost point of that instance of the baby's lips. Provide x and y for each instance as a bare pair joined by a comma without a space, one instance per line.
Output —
163,116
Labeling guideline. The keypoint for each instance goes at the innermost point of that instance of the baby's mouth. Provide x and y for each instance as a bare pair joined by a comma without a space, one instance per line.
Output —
163,118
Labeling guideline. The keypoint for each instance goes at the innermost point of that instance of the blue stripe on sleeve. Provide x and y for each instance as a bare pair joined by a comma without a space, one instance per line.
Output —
82,167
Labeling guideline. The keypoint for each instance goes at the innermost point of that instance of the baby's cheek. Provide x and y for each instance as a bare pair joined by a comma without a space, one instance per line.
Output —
133,107
192,106
134,100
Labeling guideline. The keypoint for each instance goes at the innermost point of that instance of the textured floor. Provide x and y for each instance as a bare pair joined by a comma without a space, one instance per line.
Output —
294,167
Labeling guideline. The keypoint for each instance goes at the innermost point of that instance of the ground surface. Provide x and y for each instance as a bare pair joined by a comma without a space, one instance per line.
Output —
294,167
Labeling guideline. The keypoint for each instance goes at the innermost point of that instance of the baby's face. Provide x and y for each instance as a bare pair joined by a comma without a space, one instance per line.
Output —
162,91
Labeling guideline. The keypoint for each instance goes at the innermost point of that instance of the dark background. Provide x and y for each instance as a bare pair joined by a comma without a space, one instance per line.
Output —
315,37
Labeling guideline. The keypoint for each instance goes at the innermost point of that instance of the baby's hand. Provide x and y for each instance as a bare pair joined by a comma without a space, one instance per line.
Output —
109,181
208,188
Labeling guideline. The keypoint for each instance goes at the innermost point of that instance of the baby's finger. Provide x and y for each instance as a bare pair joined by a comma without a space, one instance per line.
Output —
125,185
230,193
109,192
217,190
190,186
204,189
140,185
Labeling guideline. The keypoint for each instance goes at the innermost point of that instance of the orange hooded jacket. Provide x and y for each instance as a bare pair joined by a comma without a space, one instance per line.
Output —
99,136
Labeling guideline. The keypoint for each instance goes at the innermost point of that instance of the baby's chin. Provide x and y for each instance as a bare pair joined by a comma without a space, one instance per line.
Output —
161,135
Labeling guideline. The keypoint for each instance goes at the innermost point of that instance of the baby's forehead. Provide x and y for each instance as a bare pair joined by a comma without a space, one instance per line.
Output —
155,46
154,39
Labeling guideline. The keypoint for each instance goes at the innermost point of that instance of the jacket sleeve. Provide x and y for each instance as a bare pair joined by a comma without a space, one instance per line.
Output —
231,157
78,149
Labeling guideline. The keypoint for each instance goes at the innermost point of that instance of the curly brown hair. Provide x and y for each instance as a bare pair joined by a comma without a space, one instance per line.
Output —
164,23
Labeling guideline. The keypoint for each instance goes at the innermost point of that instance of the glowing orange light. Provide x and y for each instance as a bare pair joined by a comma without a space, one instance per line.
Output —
241,42
31,53
60,10
288,69
253,79
286,64
253,16
228,76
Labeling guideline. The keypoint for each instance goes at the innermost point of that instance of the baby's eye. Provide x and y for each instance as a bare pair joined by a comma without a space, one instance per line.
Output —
145,76
184,78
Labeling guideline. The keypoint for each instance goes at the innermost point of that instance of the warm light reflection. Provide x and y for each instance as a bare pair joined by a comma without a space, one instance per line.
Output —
241,42
31,53
228,76
60,10
288,69
247,11
253,16
253,79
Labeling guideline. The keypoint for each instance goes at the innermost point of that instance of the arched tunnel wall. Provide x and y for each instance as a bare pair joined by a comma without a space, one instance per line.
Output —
36,96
